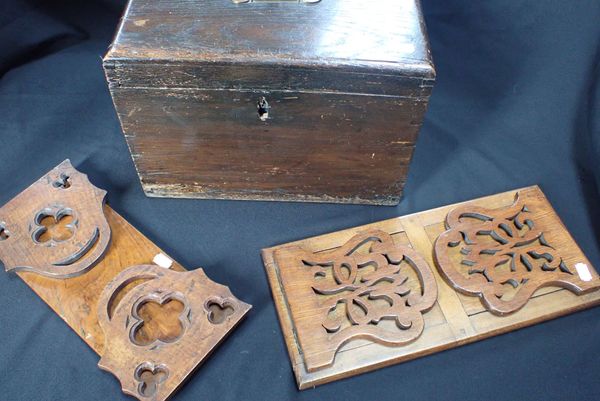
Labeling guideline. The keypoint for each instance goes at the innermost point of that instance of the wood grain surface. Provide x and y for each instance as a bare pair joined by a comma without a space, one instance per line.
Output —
347,86
75,299
218,148
455,319
383,35
56,227
505,255
159,329
369,288
152,325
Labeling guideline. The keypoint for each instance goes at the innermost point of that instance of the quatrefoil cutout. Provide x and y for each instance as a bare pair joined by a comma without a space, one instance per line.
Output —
56,227
155,316
150,378
53,225
159,318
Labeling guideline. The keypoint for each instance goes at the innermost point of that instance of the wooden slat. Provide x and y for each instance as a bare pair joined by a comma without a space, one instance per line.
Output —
457,318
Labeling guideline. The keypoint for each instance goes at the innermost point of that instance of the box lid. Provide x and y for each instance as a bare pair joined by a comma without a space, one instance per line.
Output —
383,37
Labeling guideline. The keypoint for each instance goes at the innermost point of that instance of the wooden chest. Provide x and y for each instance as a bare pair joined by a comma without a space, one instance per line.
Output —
300,100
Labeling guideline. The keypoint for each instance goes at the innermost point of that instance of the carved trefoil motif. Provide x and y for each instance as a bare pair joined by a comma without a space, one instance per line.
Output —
151,325
56,227
504,256
152,355
369,288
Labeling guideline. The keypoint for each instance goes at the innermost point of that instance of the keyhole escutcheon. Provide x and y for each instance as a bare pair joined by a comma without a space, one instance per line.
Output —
263,109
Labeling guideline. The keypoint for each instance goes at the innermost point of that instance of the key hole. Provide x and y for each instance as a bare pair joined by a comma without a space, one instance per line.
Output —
263,109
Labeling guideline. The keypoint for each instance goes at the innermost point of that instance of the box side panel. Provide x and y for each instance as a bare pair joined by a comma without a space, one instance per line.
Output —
323,147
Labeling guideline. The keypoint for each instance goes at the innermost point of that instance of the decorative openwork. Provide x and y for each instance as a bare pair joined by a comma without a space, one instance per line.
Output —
160,324
171,323
53,225
505,255
56,227
150,378
369,288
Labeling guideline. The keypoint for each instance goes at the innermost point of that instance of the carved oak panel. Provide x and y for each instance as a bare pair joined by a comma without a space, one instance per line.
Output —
505,255
369,288
56,227
326,293
151,324
160,325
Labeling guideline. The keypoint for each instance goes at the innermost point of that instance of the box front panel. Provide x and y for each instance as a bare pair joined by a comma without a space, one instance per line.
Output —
323,147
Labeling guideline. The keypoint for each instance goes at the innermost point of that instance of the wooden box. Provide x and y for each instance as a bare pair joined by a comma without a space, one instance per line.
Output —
301,100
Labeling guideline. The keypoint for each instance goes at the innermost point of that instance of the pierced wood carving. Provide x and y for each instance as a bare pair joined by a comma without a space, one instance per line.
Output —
151,325
56,227
505,255
369,288
311,276
160,325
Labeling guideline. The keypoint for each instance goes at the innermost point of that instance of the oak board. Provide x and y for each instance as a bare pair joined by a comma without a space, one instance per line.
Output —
151,321
455,319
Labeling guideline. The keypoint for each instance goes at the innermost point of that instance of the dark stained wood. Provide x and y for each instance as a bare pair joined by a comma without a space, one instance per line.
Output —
289,156
161,328
81,301
347,85
336,32
175,74
56,227
455,319
505,255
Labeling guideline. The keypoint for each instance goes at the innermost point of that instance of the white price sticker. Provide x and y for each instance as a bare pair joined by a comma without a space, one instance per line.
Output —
163,260
583,271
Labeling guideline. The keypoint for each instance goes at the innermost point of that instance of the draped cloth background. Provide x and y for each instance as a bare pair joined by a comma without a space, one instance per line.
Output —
517,102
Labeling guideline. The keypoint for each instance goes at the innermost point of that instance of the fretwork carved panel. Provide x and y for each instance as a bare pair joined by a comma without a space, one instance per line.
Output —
369,288
160,324
152,325
340,316
505,255
56,227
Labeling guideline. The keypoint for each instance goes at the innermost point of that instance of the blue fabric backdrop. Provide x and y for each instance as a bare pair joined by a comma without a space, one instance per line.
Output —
517,103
